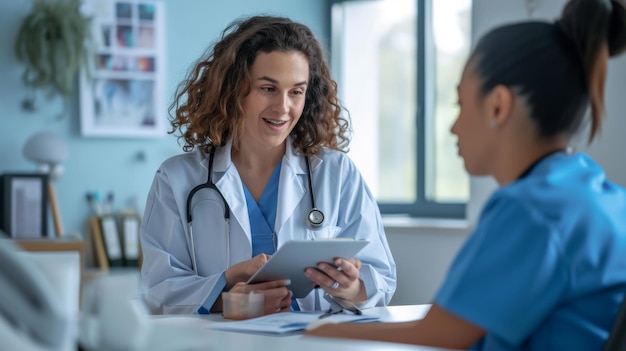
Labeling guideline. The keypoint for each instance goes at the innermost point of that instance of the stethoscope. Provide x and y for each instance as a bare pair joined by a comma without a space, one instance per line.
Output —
314,219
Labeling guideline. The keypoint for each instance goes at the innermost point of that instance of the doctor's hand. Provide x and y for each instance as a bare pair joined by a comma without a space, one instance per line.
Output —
340,279
277,296
242,271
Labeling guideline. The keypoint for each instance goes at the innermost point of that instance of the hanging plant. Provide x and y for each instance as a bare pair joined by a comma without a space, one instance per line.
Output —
54,42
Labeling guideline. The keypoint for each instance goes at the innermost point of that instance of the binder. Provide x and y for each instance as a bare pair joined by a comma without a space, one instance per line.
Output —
98,252
112,244
131,250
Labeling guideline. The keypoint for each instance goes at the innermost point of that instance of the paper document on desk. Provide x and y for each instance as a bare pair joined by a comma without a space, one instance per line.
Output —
287,322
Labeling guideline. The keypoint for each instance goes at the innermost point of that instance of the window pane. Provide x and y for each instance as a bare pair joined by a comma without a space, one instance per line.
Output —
375,62
401,121
451,23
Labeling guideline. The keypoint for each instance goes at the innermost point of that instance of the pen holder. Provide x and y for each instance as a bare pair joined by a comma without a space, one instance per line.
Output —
242,306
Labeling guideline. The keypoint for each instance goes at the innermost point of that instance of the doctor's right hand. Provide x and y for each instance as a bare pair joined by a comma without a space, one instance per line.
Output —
277,296
242,271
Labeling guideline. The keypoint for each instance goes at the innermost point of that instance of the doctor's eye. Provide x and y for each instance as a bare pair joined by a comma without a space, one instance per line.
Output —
268,89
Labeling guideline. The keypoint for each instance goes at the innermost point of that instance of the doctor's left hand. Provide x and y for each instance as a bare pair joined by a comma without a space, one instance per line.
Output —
277,295
242,271
340,279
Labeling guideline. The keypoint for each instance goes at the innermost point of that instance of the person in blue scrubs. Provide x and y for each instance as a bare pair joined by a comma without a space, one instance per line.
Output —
260,120
545,267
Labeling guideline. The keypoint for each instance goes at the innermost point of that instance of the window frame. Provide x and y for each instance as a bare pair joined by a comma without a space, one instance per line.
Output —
422,207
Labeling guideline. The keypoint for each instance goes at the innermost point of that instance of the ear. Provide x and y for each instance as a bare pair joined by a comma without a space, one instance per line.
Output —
499,105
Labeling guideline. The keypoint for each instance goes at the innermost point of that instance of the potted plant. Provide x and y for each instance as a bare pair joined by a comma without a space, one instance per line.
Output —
54,41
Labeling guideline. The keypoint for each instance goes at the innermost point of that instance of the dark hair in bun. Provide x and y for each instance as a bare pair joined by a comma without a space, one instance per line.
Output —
559,67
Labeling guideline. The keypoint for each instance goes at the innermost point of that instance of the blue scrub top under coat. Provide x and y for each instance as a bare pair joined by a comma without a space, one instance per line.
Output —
262,219
263,215
544,269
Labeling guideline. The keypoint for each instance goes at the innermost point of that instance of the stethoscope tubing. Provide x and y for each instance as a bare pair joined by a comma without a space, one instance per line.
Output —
207,185
314,217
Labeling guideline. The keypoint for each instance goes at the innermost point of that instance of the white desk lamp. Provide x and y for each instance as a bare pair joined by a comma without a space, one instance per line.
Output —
49,151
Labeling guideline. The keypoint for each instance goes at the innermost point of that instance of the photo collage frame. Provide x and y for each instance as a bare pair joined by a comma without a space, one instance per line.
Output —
121,96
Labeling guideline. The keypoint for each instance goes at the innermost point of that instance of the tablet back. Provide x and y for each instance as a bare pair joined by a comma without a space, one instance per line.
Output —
294,256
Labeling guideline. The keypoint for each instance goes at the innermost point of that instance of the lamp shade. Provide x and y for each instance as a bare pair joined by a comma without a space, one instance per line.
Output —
46,147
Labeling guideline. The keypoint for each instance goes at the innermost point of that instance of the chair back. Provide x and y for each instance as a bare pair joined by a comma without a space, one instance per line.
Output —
617,337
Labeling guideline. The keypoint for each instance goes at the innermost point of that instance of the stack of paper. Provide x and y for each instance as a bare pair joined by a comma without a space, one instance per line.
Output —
287,322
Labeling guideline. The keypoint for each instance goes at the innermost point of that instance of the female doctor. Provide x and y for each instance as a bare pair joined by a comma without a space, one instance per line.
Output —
264,164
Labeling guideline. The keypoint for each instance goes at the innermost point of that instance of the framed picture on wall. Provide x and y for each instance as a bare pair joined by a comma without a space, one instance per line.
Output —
24,205
122,95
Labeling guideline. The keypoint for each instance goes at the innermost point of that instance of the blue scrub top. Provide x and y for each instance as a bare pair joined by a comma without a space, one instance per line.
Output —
544,269
262,218
263,215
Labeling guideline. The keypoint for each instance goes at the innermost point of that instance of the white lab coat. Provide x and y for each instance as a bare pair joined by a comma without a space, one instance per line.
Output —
169,285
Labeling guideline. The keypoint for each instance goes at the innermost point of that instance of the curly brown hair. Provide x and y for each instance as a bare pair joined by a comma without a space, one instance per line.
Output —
207,106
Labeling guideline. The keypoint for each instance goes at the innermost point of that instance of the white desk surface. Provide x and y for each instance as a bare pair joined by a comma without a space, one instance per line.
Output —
166,334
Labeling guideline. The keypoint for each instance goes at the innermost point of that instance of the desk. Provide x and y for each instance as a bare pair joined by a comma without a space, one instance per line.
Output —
49,244
55,244
126,327
166,332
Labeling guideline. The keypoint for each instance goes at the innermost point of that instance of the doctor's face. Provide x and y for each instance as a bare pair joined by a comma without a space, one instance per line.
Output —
475,138
278,84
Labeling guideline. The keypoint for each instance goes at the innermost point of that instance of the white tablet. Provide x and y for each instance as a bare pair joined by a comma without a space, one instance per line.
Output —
294,256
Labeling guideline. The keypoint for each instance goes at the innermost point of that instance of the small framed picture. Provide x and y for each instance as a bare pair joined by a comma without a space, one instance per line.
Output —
24,206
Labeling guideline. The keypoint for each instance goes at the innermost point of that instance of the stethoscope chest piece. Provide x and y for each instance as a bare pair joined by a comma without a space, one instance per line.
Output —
315,218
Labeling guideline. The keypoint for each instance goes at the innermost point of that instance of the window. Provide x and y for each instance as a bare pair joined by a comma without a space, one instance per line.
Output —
397,63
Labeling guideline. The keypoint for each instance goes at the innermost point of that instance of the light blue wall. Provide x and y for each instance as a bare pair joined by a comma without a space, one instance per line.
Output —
110,164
